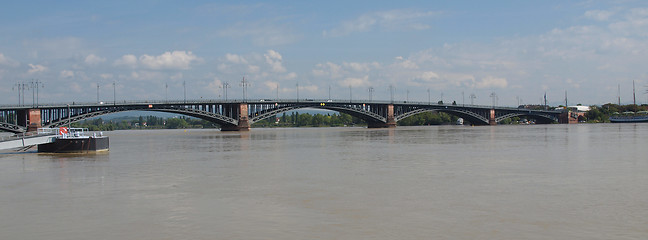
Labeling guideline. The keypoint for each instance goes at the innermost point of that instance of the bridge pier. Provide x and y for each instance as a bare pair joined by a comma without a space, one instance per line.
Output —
243,121
391,121
34,117
491,118
568,118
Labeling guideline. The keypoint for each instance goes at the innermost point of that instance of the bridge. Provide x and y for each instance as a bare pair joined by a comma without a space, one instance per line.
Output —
239,115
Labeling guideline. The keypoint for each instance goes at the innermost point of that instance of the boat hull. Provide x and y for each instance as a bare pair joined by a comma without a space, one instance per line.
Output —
636,119
76,145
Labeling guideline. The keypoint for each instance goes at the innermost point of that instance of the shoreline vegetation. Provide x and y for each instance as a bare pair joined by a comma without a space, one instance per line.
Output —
596,114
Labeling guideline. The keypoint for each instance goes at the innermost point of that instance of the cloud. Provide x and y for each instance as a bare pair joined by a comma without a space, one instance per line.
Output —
360,67
599,15
7,61
215,86
169,60
492,82
262,33
144,75
429,76
290,76
355,82
387,20
67,74
36,68
93,59
253,69
328,69
309,88
106,75
128,60
274,59
236,59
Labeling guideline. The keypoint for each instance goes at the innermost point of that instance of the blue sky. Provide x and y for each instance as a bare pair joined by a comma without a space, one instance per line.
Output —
517,49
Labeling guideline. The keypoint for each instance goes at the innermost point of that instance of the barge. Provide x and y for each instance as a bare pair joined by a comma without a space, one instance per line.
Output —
74,140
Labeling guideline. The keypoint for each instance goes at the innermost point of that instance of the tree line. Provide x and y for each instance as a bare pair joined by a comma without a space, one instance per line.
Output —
148,122
600,114
294,119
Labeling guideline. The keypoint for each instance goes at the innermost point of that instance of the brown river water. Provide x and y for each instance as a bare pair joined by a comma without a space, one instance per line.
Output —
585,181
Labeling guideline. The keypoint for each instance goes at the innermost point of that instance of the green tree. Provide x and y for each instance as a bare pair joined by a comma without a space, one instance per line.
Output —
174,123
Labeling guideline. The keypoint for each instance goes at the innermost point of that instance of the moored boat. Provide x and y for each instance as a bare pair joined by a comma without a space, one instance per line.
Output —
74,140
629,117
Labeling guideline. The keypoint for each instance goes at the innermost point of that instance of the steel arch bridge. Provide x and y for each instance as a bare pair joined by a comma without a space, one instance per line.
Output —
240,115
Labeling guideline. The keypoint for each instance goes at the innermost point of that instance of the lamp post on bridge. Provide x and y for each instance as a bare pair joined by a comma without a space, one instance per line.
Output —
244,84
493,96
407,95
391,93
472,98
371,90
350,96
35,85
114,94
184,87
297,85
463,99
429,100
329,92
225,86
20,87
97,92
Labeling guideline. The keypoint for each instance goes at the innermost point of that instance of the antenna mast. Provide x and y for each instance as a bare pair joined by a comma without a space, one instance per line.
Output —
634,99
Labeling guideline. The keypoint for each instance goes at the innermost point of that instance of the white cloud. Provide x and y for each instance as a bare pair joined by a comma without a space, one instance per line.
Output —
492,82
274,59
7,61
387,20
128,60
106,76
290,76
355,82
262,33
360,67
270,84
328,69
67,74
93,59
309,88
429,76
145,75
215,86
36,68
253,69
236,59
169,60
599,15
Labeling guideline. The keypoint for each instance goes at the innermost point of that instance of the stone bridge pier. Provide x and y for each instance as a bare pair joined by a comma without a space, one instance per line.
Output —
391,120
243,120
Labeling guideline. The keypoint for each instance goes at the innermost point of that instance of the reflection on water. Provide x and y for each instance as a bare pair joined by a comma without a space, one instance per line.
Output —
439,182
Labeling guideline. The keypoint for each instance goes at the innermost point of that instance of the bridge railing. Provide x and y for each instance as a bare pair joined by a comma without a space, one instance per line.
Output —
251,101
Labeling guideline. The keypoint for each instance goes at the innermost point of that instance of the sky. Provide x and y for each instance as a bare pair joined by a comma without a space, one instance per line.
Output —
507,52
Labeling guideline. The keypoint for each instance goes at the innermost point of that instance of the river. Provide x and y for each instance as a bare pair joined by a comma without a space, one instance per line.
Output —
585,181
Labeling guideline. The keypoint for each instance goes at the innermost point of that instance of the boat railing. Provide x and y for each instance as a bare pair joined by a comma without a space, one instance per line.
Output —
64,131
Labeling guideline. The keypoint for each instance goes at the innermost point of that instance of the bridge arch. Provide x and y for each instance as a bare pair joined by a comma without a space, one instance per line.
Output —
540,117
201,114
365,113
472,117
13,128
